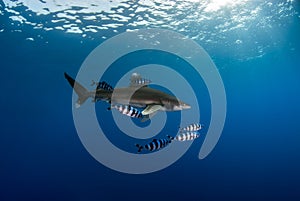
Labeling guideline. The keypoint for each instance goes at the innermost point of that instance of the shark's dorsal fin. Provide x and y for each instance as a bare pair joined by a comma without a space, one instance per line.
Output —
151,109
136,80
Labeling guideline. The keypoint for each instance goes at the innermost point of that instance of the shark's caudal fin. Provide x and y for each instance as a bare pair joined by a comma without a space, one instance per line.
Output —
83,93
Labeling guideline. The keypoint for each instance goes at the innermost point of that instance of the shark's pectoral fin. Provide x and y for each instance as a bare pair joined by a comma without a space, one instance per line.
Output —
151,109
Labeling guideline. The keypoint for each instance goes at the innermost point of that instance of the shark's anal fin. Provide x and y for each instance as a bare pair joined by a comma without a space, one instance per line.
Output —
151,109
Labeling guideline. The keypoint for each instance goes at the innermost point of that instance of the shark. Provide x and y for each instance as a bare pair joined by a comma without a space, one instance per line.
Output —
137,94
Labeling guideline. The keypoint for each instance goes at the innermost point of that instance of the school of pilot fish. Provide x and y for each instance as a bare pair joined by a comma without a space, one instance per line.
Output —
187,133
143,104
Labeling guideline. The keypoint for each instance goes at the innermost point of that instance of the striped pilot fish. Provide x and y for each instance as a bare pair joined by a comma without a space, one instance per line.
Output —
141,81
102,85
137,80
156,144
186,136
192,127
128,110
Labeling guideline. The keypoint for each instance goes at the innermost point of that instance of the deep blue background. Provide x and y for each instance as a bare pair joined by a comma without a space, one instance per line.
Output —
42,158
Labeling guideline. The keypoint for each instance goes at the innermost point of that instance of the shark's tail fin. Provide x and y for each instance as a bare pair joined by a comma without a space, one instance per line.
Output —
83,93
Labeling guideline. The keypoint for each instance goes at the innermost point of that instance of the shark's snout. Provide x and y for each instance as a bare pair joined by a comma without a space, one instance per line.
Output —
184,105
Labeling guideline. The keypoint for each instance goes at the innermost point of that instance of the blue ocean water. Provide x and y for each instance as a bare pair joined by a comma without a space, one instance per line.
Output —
255,47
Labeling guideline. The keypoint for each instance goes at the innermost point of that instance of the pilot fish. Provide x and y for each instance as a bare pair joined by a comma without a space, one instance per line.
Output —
137,80
128,110
156,144
186,136
192,127
102,85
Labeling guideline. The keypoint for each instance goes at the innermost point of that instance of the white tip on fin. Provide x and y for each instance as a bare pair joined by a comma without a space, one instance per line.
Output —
151,109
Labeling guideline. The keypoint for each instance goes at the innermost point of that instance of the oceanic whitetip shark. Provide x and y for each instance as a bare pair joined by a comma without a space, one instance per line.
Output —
137,94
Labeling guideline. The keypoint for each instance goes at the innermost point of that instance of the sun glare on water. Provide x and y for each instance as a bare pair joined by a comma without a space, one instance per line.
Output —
234,24
215,5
